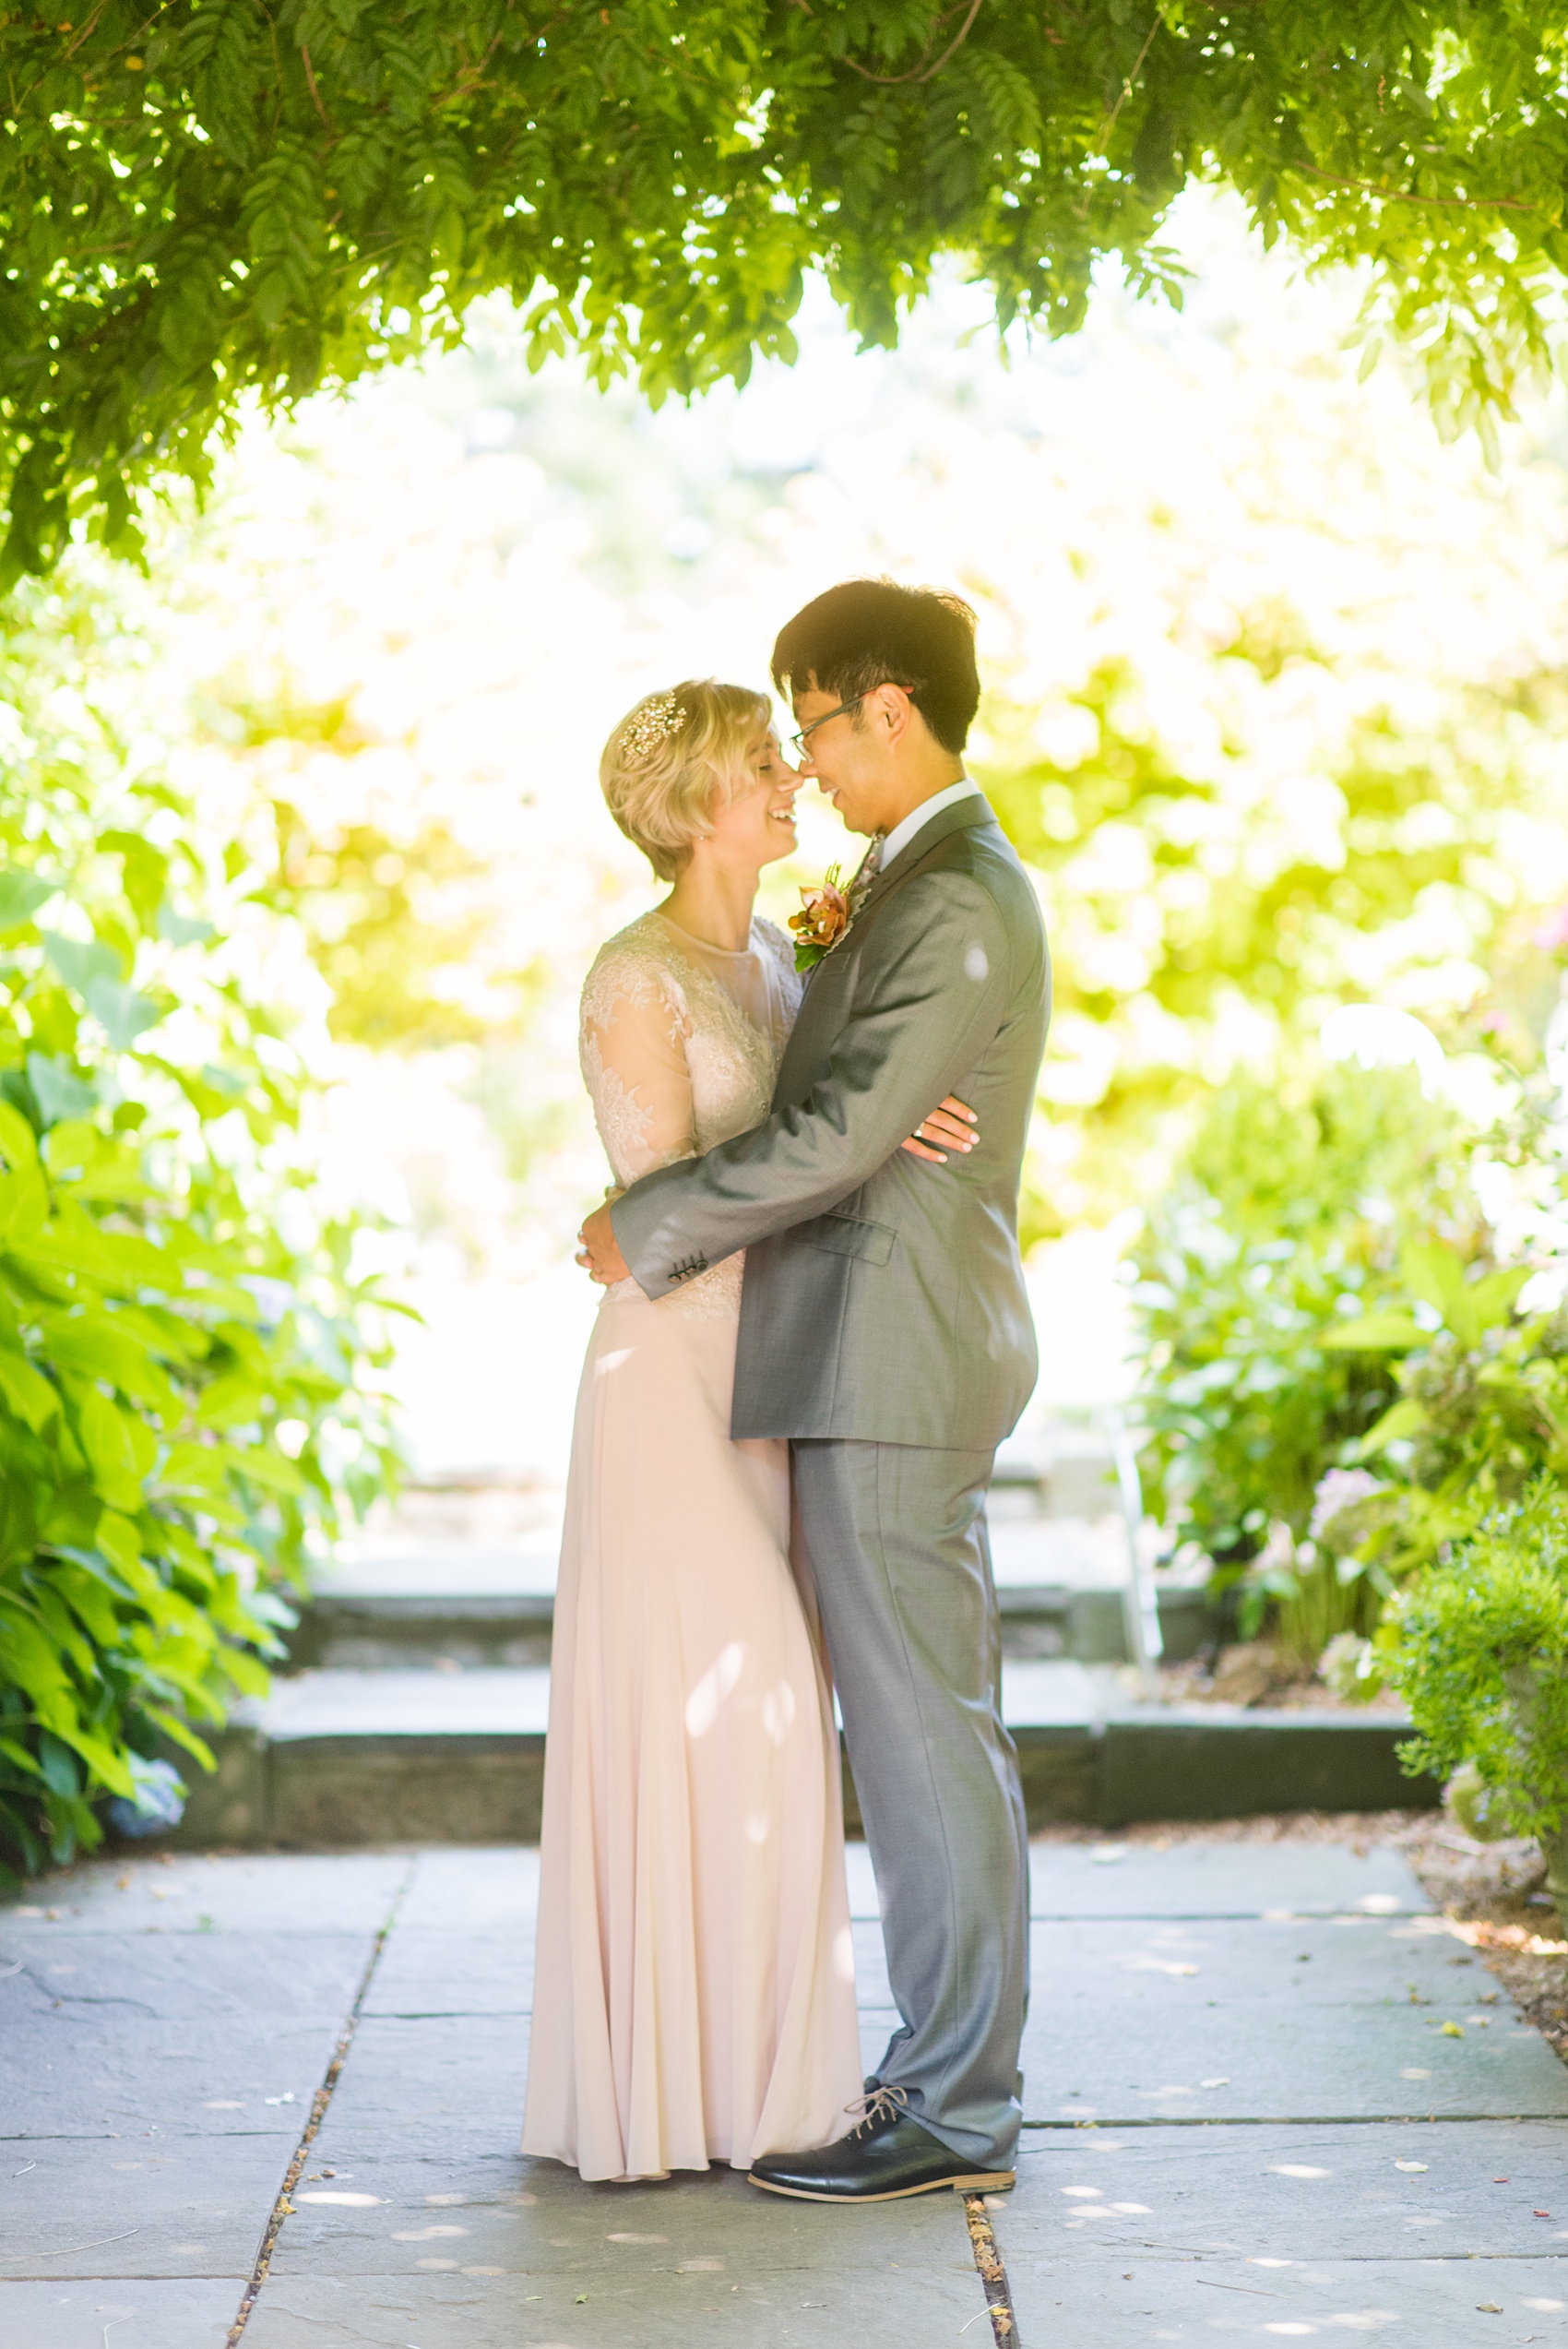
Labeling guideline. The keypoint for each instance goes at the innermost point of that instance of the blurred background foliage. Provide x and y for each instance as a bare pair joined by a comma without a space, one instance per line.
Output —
1274,711
1355,1351
1282,1227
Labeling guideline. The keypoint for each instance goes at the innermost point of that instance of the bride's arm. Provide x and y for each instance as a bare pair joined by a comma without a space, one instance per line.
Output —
634,1062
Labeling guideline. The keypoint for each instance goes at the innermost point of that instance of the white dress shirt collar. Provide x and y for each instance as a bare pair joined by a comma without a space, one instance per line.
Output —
898,838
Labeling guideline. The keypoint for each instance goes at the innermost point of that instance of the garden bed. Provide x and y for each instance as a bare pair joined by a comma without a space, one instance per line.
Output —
1255,1674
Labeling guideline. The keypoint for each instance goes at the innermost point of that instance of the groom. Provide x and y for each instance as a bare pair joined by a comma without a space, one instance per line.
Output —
884,1329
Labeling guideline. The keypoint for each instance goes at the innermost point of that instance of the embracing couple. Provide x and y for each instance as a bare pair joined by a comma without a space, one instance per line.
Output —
814,1336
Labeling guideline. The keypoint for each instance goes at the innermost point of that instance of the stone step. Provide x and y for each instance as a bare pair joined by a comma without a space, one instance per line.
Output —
374,1631
1059,1587
341,1760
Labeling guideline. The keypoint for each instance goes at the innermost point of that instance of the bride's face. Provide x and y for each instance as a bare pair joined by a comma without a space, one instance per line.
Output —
756,826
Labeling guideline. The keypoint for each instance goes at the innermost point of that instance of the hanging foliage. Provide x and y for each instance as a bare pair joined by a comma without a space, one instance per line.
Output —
216,199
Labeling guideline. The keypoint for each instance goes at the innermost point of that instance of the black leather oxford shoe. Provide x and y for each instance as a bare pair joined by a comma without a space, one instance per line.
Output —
885,2156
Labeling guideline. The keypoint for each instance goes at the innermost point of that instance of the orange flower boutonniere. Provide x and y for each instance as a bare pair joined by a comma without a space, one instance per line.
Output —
826,913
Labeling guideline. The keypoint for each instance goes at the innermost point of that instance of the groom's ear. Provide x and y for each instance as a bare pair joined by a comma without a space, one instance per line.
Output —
898,712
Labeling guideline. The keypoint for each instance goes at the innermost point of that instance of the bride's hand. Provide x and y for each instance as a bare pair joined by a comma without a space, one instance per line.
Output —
599,1252
952,1123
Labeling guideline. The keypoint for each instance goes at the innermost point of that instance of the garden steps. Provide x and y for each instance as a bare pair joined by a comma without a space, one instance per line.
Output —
392,1603
417,1698
346,1757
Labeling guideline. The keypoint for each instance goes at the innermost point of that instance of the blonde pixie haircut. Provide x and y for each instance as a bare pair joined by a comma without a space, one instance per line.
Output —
668,758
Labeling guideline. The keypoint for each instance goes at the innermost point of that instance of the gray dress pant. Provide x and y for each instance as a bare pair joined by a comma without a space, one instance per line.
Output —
901,1559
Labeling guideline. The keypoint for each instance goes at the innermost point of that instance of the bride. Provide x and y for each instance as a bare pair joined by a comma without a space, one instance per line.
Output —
695,1995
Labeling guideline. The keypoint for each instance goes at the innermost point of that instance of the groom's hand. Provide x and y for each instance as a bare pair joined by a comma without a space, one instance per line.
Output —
599,1251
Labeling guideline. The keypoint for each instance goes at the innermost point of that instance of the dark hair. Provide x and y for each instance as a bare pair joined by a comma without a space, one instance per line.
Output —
872,632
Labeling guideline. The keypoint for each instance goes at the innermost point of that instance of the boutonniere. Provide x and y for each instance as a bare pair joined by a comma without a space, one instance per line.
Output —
824,917
827,913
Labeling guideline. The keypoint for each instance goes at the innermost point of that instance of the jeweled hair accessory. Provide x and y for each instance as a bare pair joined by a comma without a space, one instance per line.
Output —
657,720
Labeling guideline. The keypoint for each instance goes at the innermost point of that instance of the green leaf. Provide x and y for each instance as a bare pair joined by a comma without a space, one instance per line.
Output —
183,929
91,1603
231,1400
82,963
18,1145
119,1539
271,1470
106,1765
118,1450
1404,1419
1493,1298
56,1088
183,1734
25,1390
1377,1332
58,1767
1434,1274
26,1658
21,894
122,1013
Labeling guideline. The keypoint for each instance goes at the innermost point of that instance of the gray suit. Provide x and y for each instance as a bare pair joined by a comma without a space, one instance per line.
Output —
884,1329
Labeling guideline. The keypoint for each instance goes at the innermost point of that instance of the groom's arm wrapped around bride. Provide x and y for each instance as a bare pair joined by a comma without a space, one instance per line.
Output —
884,1300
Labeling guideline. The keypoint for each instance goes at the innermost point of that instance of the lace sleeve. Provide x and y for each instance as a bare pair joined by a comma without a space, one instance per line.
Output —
632,1040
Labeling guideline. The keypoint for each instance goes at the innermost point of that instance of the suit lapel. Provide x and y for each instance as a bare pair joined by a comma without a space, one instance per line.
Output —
963,813
974,809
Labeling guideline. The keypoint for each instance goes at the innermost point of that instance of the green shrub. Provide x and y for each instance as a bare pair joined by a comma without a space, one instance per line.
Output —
1284,1222
182,1348
1477,1647
1482,1406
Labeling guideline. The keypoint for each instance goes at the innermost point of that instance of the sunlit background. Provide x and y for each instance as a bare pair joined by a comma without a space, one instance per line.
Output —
1274,708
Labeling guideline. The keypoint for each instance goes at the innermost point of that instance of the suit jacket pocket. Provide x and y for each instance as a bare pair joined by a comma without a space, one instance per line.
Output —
849,1235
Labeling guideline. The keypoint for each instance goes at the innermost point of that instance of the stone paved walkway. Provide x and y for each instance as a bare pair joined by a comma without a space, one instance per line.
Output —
1269,2096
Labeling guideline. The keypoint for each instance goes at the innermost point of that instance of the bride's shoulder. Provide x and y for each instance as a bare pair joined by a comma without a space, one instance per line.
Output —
635,960
773,940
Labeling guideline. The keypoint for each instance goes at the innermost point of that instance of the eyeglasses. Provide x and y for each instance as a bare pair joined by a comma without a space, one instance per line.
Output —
799,740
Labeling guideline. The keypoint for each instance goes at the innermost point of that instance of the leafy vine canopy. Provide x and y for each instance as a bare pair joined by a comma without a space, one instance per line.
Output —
205,200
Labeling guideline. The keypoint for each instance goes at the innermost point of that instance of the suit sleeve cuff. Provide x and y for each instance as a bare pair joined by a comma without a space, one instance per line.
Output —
636,1222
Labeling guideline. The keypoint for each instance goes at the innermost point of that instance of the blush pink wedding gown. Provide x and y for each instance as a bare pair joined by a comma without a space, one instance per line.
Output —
695,1995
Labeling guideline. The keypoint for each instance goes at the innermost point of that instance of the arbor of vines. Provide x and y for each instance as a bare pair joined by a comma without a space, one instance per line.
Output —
209,200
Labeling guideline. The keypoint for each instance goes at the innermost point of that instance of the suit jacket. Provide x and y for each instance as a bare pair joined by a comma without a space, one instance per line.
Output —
883,1297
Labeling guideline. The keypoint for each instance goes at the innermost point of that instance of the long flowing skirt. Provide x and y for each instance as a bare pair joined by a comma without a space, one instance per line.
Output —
695,1993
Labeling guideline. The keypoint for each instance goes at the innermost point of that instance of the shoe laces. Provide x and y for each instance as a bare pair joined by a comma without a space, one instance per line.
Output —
882,2105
